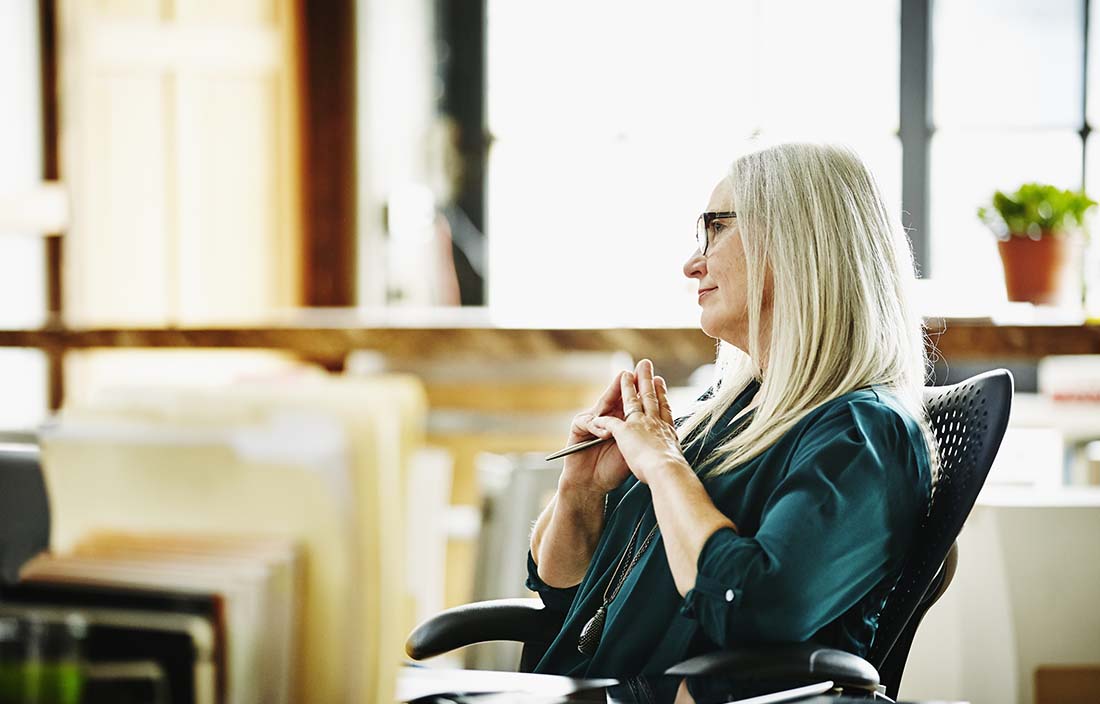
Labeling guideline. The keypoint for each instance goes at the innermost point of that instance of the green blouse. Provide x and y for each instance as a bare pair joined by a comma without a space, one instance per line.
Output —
825,517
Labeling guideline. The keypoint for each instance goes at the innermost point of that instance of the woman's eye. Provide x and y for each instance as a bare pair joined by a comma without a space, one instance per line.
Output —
718,226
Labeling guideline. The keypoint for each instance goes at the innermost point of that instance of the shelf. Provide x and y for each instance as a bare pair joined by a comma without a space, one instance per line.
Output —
332,344
954,340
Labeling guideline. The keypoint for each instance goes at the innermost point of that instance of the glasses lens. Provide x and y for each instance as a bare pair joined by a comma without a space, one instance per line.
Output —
701,234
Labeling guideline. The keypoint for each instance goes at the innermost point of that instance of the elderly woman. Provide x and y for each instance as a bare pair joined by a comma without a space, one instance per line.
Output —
782,507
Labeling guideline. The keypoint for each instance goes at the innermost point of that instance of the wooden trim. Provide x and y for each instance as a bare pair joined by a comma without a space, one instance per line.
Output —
327,92
51,171
677,352
680,349
47,38
55,377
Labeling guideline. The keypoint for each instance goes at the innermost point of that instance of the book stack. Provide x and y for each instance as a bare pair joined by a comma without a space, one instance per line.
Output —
274,510
216,616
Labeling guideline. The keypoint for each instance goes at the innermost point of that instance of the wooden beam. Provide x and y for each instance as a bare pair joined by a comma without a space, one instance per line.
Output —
328,129
51,171
684,348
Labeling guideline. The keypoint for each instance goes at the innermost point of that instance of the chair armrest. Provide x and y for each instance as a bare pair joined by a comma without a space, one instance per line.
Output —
520,620
783,661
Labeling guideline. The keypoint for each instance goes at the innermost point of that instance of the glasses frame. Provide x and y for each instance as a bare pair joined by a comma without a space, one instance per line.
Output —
702,227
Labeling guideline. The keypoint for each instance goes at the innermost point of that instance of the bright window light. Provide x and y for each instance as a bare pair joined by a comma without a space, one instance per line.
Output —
998,64
23,379
612,121
22,255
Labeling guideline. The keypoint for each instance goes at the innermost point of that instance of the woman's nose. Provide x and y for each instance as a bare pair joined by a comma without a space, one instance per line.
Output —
696,266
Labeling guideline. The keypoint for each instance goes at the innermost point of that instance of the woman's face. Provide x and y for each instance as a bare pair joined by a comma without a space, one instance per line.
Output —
722,276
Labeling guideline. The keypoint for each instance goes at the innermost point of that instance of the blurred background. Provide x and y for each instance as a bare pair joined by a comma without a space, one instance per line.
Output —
406,240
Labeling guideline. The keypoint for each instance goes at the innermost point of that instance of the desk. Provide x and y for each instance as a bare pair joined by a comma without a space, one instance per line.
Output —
542,689
1027,576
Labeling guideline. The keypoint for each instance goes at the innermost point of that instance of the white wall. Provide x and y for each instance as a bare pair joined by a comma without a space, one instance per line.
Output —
1025,595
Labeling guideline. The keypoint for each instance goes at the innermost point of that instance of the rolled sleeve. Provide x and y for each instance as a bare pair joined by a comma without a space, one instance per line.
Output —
555,599
710,594
824,539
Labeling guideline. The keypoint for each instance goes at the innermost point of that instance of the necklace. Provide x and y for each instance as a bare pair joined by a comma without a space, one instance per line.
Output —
593,630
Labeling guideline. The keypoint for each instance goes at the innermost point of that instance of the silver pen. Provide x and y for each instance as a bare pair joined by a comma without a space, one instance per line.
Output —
577,448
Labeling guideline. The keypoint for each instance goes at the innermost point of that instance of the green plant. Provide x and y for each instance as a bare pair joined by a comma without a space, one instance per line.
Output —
1036,210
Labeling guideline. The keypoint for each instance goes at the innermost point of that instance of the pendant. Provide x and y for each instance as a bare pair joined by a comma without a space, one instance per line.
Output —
592,632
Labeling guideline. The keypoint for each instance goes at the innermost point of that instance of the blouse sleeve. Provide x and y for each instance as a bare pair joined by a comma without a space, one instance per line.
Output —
825,535
555,599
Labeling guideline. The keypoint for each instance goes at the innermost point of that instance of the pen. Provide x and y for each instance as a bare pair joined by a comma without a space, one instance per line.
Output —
576,448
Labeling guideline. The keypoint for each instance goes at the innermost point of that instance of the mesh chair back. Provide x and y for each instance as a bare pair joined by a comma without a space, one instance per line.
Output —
968,420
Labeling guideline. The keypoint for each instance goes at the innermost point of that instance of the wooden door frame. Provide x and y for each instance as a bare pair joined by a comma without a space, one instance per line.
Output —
327,99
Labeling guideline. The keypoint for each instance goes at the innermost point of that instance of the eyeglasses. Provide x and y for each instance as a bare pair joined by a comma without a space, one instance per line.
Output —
705,230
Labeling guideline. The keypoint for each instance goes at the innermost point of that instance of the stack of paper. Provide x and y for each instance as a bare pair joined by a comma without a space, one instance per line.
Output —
317,462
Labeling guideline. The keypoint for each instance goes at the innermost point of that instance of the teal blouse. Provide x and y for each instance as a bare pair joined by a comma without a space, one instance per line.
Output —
825,517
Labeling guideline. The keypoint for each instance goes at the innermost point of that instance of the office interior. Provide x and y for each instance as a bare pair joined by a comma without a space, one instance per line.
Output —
297,295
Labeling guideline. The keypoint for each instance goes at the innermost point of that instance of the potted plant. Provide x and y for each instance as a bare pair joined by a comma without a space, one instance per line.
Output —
1040,231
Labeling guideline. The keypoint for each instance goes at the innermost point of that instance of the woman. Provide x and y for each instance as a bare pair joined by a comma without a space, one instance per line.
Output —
782,507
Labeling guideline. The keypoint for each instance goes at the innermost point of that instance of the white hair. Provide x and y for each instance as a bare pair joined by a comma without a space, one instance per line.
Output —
813,220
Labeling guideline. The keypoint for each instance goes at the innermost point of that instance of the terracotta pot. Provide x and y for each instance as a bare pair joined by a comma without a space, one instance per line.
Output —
1040,271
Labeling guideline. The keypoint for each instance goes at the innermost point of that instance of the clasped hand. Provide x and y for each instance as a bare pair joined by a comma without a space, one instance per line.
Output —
635,411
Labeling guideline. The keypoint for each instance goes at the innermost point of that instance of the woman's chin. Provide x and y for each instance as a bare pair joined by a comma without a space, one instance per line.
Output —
712,321
735,336
708,327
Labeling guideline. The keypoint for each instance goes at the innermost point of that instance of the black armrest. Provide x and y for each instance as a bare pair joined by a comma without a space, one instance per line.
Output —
522,620
528,621
784,661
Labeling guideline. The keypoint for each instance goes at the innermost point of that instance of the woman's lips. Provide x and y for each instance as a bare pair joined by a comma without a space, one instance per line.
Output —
705,291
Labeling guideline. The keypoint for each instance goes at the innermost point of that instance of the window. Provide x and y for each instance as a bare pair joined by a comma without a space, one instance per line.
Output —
612,121
1007,109
22,254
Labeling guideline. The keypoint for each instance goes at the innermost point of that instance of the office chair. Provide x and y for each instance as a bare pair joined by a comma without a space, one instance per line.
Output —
968,420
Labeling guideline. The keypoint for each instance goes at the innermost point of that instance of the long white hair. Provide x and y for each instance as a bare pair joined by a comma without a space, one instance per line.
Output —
841,268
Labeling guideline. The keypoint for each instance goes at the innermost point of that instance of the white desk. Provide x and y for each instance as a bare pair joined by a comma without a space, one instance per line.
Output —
1025,595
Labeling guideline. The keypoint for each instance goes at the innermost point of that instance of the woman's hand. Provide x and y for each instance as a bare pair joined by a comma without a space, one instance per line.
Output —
599,469
648,442
644,435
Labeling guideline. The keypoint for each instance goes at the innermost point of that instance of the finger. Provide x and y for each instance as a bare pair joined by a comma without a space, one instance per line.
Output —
588,424
610,401
597,427
580,424
646,389
662,398
608,424
631,402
